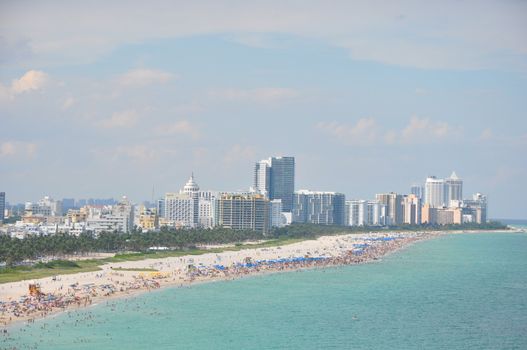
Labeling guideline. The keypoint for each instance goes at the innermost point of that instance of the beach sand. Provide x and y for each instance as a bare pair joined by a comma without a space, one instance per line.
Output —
83,289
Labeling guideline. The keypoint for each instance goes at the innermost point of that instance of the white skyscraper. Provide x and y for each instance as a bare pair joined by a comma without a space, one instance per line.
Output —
179,209
357,212
262,177
435,192
191,188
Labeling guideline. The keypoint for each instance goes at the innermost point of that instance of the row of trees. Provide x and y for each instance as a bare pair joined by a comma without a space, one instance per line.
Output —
13,250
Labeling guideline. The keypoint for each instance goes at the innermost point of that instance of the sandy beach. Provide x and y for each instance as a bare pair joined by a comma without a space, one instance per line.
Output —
66,292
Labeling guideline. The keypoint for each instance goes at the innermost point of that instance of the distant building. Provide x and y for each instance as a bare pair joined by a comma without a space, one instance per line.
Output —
394,207
357,212
276,217
2,207
475,209
324,208
244,212
191,188
417,190
148,219
435,192
44,207
262,177
275,179
412,209
428,215
376,213
118,217
67,204
453,189
180,209
449,216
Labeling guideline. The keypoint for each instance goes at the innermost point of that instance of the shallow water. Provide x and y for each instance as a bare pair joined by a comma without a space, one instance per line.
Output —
453,292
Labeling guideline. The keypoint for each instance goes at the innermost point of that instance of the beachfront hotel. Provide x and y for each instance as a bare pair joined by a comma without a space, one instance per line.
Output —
244,212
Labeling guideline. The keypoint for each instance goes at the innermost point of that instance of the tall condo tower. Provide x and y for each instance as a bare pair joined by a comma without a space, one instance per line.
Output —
191,188
417,190
262,177
435,192
275,178
453,188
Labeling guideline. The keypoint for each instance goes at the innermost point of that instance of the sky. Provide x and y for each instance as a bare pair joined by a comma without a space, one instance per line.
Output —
102,99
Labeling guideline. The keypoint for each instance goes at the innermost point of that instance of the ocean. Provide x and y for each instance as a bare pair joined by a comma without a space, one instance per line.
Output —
453,292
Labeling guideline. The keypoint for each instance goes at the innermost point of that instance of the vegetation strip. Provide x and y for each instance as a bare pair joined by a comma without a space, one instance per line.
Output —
180,243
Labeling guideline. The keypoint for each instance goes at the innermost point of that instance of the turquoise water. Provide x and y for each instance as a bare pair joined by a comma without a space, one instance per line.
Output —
453,292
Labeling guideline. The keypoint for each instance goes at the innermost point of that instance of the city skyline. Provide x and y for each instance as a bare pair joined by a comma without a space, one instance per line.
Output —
368,98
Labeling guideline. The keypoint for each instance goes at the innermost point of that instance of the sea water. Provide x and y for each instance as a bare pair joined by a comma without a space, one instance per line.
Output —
453,292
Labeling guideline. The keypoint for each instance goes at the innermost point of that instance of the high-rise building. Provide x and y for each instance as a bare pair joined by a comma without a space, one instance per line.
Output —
67,204
244,212
179,209
476,209
435,192
262,177
191,188
275,179
376,213
394,207
412,210
276,216
453,189
2,207
357,212
324,208
417,190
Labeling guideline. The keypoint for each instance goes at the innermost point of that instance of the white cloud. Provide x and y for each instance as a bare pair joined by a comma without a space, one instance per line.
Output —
144,77
447,34
365,131
32,80
258,95
139,153
123,119
68,103
17,149
239,153
181,127
7,149
486,135
421,130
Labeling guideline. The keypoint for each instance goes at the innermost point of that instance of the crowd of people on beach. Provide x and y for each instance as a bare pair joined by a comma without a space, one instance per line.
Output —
30,307
74,295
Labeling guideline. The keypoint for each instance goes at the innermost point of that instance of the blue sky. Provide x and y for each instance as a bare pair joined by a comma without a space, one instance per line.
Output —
101,100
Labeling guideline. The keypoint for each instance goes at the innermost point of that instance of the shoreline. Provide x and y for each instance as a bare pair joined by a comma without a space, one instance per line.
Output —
185,271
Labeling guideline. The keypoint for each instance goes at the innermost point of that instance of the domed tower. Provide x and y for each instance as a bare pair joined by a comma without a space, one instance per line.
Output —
191,188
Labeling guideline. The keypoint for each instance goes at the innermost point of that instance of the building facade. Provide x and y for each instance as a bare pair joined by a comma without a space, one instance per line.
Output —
394,207
244,212
179,210
275,179
324,208
435,192
412,210
453,189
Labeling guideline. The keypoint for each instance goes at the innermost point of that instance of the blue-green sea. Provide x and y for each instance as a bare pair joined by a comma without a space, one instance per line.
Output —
453,292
